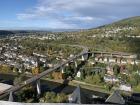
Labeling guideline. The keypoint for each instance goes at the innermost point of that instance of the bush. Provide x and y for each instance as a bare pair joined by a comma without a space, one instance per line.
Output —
51,97
108,87
96,79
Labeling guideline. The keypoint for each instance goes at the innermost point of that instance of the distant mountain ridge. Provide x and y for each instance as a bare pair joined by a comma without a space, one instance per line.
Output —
3,32
7,32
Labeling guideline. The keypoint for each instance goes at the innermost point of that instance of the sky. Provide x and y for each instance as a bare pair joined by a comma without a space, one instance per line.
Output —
64,14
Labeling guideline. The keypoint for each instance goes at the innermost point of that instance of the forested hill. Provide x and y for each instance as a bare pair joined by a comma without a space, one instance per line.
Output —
124,27
123,36
133,22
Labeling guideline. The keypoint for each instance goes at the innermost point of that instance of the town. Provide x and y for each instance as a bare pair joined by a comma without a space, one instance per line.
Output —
59,52
104,71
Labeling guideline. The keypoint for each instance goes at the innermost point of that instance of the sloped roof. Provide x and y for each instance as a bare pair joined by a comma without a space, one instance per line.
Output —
115,98
78,96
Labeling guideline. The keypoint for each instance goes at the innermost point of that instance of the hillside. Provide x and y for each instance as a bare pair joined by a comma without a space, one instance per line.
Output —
132,22
121,36
126,27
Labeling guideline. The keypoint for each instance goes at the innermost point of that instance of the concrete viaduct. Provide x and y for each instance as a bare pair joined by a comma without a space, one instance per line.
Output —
84,55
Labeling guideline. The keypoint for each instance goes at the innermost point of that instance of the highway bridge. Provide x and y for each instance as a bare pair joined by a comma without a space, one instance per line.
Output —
83,54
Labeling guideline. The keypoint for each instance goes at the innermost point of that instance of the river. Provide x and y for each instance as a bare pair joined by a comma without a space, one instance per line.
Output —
54,86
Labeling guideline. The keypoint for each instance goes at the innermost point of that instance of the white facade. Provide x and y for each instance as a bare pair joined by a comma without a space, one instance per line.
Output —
110,79
132,62
105,59
78,74
125,87
124,62
137,61
96,59
112,60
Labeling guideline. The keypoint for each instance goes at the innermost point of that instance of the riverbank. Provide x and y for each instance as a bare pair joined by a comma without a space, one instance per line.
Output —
58,86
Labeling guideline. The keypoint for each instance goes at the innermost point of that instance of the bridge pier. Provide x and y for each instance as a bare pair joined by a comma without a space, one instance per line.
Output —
76,65
11,97
93,55
62,70
38,87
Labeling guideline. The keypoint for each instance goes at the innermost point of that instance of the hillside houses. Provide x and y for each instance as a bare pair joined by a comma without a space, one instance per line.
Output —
116,57
10,55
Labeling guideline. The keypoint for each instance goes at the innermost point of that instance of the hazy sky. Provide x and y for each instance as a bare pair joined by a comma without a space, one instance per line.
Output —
64,13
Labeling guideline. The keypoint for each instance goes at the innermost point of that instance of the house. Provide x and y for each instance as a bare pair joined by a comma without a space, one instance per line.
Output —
125,87
110,70
124,61
113,60
138,72
132,63
123,70
50,65
137,62
110,79
106,59
91,62
96,58
78,74
71,55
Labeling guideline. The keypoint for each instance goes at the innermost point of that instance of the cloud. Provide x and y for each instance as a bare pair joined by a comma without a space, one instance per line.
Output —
80,13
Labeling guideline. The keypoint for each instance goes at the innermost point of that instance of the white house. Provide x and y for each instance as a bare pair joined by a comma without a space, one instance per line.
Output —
137,61
112,60
110,79
96,59
78,74
124,62
125,87
105,60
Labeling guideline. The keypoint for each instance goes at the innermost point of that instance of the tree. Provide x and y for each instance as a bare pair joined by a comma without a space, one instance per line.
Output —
97,79
42,69
25,94
116,69
134,79
51,97
108,87
19,79
5,68
61,98
35,71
